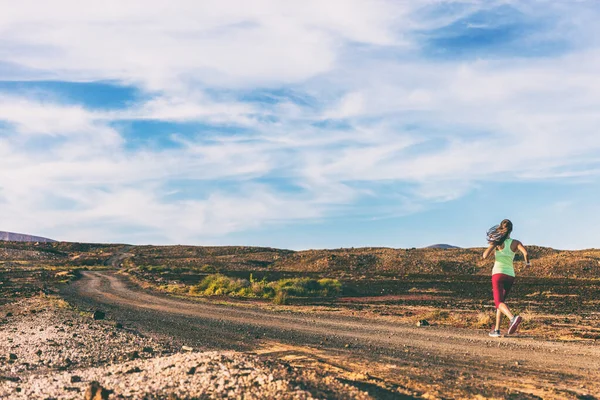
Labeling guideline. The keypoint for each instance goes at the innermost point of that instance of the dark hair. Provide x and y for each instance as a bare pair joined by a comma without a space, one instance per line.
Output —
498,234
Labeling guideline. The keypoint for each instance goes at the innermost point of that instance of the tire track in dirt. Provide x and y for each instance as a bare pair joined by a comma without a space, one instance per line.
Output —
433,359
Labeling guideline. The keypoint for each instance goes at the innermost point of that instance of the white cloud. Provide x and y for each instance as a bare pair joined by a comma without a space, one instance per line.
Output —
377,111
165,45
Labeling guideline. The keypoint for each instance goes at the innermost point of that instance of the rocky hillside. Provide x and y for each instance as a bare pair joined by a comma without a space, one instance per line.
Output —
19,237
349,262
357,262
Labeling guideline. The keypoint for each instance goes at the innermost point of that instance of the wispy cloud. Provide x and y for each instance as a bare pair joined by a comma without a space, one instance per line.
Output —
278,112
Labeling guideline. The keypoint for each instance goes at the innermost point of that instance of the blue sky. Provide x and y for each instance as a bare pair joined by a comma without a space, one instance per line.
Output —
301,124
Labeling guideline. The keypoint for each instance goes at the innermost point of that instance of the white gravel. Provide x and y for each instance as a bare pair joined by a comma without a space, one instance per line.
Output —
60,351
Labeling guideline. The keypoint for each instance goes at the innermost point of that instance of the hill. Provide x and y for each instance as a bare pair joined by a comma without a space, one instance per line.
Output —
442,246
354,262
20,237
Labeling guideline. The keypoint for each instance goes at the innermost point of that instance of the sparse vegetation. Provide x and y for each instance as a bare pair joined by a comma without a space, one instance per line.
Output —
280,291
405,284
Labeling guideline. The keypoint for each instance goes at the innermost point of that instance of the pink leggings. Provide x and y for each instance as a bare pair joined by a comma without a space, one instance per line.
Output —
501,285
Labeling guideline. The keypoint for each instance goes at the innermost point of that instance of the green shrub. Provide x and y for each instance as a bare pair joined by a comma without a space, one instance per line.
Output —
330,287
219,285
280,298
279,291
306,287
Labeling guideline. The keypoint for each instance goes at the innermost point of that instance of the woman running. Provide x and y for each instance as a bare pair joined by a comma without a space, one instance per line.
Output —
503,274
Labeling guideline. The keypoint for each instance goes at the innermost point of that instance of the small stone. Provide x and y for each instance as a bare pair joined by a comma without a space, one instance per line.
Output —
10,378
192,371
98,315
12,356
95,391
75,379
133,370
148,349
423,322
38,353
9,314
133,355
187,348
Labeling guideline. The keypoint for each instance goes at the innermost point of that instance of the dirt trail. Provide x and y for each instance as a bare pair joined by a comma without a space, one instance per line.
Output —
439,361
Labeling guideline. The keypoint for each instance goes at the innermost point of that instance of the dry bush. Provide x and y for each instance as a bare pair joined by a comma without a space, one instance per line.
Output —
484,320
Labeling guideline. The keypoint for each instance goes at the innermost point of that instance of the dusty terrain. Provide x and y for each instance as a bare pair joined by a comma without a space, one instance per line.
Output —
349,262
52,351
401,359
362,343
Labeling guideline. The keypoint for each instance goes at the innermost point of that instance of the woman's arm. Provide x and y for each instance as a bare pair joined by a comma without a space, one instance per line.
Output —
523,250
488,251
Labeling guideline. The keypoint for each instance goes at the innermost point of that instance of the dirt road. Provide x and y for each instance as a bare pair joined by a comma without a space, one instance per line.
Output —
387,358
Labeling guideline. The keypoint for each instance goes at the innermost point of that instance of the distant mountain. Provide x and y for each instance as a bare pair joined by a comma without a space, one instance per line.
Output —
19,237
442,246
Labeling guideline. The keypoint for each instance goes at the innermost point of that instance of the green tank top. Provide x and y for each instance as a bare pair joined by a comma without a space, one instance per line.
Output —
504,260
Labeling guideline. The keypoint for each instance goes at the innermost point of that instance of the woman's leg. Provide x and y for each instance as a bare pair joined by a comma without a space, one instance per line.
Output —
503,308
498,319
501,285
506,285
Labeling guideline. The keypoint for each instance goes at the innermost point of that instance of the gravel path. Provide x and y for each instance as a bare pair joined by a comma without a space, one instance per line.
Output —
433,361
51,351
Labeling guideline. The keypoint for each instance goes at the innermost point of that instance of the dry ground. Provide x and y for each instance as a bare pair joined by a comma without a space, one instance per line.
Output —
388,357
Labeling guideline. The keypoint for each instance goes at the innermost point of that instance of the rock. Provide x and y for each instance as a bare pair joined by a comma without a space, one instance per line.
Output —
133,370
95,391
10,378
38,353
133,355
98,315
75,379
148,349
192,371
9,314
186,348
423,322
12,356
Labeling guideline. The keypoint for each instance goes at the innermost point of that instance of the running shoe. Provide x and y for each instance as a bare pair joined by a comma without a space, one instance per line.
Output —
514,324
495,333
